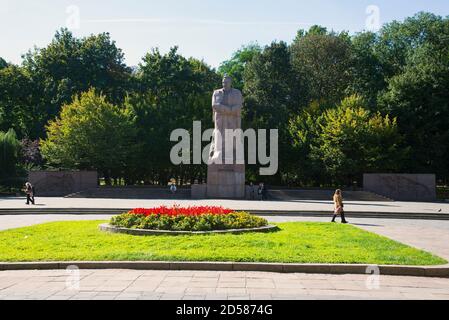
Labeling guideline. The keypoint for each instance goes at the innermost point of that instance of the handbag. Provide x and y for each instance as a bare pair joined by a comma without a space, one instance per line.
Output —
339,210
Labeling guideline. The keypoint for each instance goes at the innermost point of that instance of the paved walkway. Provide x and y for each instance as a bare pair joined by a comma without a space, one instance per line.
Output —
18,221
201,285
300,205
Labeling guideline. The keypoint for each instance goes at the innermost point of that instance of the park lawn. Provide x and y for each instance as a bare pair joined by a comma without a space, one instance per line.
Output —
294,243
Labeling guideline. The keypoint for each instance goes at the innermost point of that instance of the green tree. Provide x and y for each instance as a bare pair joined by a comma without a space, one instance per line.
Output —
419,97
349,140
415,58
397,40
17,108
173,92
368,76
235,66
322,61
303,132
269,87
3,63
271,92
9,156
69,66
91,133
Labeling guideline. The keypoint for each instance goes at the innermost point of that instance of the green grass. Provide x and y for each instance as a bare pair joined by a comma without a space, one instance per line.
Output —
294,243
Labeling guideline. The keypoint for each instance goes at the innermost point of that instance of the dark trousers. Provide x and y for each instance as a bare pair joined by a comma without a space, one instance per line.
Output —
30,198
342,215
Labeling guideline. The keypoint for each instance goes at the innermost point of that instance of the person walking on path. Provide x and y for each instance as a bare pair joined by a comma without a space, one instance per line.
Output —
339,206
252,192
29,190
261,191
173,188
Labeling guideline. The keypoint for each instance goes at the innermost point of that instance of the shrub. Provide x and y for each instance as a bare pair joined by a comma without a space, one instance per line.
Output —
187,219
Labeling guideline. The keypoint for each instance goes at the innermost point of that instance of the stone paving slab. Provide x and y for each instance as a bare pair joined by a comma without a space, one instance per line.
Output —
178,285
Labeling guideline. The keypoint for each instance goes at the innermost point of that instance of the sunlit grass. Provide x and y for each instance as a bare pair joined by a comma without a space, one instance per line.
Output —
293,243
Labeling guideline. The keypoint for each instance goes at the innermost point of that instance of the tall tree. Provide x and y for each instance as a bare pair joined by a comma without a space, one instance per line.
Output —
9,156
69,66
419,97
271,91
368,75
91,133
235,66
397,40
349,140
322,62
270,87
173,92
415,54
18,107
3,63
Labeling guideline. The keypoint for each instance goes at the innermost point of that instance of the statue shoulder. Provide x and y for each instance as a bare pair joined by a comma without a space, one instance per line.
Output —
237,91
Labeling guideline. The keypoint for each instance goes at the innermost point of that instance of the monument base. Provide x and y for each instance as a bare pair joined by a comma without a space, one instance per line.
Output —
199,191
226,181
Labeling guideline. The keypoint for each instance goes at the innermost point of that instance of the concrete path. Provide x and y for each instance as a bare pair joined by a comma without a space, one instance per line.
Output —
18,221
300,205
204,285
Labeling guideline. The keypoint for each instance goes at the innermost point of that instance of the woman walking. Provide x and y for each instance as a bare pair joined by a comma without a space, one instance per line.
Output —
339,206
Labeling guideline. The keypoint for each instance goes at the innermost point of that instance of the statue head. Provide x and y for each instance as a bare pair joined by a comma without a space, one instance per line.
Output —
227,82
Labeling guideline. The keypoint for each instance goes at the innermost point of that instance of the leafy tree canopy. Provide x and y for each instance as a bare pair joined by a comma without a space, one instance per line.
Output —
235,66
91,133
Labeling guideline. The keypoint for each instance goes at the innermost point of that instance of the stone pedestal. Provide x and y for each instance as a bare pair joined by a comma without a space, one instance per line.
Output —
62,183
251,193
402,187
199,191
226,181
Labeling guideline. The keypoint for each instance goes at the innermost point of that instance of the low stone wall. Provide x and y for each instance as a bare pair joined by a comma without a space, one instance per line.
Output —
62,183
402,187
141,232
199,191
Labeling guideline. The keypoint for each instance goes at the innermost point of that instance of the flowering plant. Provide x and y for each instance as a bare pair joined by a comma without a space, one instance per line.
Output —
187,219
179,211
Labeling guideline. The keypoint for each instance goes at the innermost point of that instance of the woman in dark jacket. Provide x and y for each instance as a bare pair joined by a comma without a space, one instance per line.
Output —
29,190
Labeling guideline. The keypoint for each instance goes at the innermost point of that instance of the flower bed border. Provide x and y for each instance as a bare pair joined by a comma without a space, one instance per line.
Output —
142,232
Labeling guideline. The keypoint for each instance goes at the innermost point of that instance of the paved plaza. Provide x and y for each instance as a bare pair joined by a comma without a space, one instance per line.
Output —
201,285
432,236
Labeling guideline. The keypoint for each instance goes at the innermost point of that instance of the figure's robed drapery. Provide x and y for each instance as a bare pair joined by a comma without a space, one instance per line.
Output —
227,114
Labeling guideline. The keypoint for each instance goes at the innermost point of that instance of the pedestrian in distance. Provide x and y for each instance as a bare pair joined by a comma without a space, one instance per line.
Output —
29,191
261,191
339,207
173,188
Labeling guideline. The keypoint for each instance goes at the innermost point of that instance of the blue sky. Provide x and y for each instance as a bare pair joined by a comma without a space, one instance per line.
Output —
205,29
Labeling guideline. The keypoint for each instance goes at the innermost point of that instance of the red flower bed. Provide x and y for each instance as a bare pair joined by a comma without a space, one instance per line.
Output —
179,211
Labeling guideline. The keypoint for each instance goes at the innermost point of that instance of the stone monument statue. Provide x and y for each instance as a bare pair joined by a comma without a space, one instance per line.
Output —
226,168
